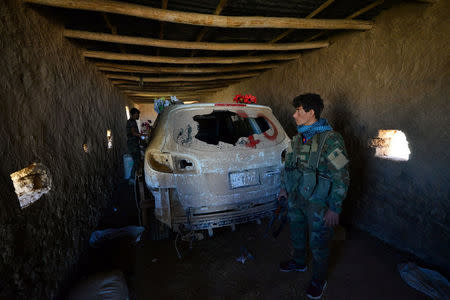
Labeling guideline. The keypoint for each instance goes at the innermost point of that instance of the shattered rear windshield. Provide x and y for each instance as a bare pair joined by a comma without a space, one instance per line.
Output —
228,127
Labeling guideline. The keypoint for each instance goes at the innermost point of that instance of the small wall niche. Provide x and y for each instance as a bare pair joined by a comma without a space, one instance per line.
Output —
86,148
31,183
109,138
391,144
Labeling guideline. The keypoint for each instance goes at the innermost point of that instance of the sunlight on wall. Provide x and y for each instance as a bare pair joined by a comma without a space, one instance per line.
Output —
391,144
31,183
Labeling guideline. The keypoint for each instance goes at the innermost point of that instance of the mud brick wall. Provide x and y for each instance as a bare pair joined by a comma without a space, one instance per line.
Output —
51,103
395,76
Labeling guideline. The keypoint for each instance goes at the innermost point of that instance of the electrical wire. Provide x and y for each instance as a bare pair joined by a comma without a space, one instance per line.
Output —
176,246
135,198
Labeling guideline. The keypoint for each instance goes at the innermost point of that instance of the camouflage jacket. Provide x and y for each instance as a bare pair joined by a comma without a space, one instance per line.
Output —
330,175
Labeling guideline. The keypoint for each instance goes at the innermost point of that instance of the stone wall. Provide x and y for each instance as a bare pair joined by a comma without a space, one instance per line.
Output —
52,102
395,76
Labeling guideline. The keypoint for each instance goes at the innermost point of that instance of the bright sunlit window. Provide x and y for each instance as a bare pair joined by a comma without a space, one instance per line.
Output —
127,111
391,144
109,138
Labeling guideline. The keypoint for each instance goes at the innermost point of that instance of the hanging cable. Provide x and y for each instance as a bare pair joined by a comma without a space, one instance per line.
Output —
135,198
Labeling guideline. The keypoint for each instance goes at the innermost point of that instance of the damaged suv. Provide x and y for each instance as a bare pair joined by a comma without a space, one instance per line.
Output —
212,165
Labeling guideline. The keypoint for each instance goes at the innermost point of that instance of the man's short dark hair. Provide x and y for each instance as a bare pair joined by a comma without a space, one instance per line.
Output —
134,111
308,102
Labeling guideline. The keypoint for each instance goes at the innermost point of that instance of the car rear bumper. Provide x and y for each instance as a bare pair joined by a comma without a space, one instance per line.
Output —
224,218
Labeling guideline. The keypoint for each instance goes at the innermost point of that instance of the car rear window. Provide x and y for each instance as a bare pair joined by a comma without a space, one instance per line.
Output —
206,128
227,127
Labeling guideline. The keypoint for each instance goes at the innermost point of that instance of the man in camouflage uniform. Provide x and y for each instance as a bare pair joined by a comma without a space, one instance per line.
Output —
315,182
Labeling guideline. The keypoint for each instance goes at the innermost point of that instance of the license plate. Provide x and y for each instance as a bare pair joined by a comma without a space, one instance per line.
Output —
246,178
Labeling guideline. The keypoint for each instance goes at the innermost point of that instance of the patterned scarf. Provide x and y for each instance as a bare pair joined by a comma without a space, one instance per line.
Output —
308,131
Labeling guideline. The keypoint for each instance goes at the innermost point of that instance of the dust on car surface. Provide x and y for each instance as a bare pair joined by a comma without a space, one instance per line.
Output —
211,165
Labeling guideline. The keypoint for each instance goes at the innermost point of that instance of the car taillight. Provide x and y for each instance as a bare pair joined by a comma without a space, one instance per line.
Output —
161,163
283,156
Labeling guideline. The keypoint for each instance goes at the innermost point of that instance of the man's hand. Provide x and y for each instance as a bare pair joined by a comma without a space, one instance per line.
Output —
282,193
331,218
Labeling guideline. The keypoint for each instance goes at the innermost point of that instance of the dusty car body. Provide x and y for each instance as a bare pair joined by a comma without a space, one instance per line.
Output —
213,165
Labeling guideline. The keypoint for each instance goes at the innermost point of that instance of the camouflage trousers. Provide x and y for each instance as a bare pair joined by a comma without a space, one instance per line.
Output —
307,225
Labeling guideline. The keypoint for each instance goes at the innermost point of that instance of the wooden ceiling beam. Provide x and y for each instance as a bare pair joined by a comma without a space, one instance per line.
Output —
134,93
202,33
354,15
161,29
189,60
113,67
310,16
364,9
113,29
218,10
163,6
142,11
174,84
170,89
131,40
168,94
179,78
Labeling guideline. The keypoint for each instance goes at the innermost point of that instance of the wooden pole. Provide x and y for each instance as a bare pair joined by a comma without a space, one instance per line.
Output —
310,16
354,15
189,60
179,78
169,89
169,93
120,83
218,10
161,30
183,17
131,40
112,67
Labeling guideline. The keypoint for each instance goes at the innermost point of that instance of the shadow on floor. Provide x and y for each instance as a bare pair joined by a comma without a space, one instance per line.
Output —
362,267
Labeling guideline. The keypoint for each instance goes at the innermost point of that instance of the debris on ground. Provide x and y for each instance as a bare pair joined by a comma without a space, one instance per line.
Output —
132,232
244,255
427,281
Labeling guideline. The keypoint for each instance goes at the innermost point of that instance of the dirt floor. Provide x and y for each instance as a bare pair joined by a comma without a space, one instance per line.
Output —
363,267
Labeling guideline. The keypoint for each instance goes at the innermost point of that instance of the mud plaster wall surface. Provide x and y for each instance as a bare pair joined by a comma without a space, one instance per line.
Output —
395,76
52,102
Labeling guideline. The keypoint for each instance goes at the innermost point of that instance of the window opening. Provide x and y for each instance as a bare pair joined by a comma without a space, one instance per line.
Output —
31,183
109,138
127,111
86,148
227,127
391,144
